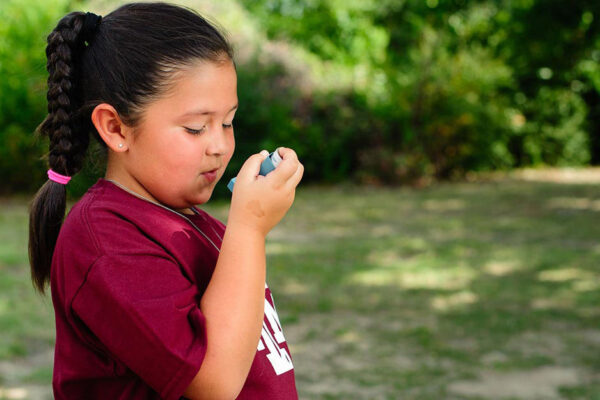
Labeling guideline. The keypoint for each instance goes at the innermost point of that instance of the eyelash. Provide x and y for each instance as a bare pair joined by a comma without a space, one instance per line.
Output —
199,131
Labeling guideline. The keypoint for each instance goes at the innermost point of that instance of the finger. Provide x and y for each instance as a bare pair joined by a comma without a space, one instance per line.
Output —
287,153
288,165
296,178
284,171
251,166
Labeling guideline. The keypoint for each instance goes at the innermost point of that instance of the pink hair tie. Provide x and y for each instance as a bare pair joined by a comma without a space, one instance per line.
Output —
56,177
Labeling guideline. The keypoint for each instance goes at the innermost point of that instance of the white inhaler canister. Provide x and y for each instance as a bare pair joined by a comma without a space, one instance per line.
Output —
268,165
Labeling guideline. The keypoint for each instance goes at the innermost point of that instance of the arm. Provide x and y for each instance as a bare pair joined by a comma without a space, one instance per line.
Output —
233,302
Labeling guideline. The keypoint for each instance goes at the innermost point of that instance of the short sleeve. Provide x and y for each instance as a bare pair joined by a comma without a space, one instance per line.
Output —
146,313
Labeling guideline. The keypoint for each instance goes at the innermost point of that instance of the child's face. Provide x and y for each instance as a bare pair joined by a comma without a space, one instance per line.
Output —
169,159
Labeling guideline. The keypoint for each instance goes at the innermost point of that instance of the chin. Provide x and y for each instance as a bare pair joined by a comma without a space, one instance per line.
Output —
204,197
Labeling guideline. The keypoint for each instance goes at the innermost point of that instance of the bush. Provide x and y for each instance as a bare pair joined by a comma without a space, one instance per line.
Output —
371,92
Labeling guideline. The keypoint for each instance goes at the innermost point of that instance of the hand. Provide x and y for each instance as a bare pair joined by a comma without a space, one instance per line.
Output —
260,202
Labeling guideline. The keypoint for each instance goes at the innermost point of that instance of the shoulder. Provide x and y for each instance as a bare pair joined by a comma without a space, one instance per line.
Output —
108,220
112,231
101,218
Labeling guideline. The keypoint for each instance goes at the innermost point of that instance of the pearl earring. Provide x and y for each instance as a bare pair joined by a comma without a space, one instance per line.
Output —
120,145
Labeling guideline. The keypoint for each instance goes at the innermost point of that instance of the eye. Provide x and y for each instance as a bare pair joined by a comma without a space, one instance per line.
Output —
195,131
227,126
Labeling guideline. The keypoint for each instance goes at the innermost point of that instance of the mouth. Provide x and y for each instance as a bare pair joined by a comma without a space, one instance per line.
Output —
210,175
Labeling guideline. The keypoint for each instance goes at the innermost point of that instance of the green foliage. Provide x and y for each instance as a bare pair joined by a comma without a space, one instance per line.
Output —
553,133
384,91
455,85
334,30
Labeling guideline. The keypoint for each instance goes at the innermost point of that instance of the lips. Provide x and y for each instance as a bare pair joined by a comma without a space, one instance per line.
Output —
210,175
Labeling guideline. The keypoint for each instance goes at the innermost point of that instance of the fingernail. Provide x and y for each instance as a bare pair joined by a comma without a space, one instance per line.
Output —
264,153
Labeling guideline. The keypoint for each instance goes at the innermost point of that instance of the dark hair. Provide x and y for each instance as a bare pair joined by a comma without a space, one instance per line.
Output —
128,62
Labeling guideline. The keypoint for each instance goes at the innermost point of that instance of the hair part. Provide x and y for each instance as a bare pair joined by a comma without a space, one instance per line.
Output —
132,60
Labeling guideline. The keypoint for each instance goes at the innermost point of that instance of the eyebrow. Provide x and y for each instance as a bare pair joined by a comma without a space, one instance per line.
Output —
204,112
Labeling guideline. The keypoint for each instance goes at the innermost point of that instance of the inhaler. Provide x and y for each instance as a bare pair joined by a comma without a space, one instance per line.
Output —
268,165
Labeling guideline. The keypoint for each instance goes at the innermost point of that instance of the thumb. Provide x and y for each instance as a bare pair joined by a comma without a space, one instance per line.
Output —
251,166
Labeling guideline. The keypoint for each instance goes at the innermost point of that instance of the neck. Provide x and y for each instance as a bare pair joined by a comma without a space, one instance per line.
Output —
117,174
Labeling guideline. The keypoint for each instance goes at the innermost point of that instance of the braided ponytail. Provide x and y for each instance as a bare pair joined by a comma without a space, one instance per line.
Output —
69,138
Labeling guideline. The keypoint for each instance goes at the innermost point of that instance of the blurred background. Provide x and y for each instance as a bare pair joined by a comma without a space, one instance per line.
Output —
444,241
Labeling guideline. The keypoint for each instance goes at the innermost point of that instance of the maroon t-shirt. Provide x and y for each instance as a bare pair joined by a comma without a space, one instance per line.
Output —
127,277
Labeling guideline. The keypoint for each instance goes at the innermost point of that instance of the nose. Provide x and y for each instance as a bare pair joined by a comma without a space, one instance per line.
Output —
218,141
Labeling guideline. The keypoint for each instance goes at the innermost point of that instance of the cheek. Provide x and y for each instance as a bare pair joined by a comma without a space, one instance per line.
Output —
173,157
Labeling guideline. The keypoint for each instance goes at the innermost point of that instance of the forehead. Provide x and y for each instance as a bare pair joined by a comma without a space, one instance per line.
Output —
204,85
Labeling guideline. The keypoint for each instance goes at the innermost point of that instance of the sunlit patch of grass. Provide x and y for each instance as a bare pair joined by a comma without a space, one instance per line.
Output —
13,393
499,267
415,278
454,300
565,274
574,203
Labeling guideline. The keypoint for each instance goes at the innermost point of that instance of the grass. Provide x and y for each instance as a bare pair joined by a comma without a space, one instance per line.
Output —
26,319
404,293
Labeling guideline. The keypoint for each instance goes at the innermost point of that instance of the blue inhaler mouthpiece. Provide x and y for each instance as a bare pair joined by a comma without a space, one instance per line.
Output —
268,165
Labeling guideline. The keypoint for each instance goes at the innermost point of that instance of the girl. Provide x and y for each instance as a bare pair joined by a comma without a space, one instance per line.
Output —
153,297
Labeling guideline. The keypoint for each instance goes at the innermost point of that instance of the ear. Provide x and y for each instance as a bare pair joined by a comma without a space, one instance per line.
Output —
112,130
